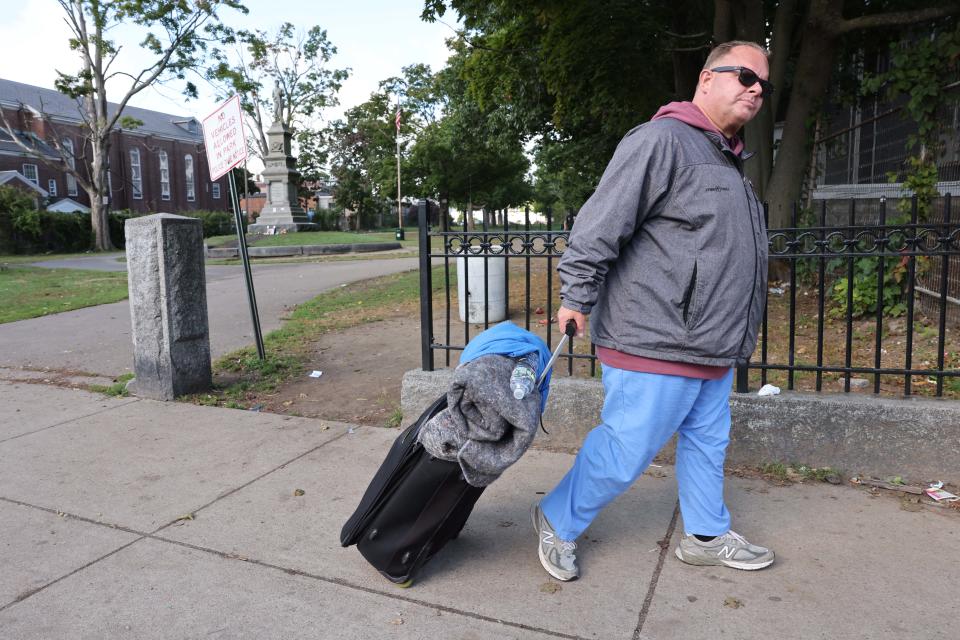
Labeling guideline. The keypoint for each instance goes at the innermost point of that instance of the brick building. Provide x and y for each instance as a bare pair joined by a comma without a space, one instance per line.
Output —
157,166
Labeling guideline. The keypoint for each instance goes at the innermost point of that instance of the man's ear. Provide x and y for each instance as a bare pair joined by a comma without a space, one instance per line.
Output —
706,76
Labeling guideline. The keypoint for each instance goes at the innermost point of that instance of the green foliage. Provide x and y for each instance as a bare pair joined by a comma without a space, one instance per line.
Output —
254,62
568,78
466,156
18,207
26,231
215,223
865,288
130,123
919,68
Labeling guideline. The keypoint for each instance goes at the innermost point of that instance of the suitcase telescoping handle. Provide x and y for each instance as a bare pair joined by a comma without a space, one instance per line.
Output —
568,332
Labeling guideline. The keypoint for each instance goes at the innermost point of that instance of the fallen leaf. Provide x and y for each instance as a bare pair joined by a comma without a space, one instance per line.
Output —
733,603
538,311
298,492
550,587
397,621
287,403
186,516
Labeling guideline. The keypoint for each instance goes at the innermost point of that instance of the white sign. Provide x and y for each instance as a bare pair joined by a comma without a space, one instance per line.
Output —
224,139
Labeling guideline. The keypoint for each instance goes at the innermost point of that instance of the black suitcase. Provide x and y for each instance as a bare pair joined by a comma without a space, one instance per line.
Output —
414,505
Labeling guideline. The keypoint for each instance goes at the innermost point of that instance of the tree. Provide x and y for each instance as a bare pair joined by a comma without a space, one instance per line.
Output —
573,77
818,40
460,154
177,34
362,156
256,64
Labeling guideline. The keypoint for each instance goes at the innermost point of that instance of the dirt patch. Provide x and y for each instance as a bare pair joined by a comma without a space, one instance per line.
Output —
362,371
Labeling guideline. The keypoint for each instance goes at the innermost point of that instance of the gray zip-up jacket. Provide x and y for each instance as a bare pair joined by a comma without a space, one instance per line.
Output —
669,255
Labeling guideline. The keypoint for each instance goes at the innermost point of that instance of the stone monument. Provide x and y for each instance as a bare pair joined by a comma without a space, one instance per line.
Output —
168,306
282,212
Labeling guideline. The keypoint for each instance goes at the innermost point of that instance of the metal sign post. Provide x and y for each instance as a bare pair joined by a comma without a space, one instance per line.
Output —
226,148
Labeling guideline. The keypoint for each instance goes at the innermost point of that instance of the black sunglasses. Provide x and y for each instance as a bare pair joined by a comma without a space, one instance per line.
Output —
748,78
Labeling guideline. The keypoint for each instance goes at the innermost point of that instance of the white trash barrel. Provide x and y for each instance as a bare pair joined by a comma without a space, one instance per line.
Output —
496,295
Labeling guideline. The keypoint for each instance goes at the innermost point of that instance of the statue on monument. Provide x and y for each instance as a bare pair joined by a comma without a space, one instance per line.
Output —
277,102
282,211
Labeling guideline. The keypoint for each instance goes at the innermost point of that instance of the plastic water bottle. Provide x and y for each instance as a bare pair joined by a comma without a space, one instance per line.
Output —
524,375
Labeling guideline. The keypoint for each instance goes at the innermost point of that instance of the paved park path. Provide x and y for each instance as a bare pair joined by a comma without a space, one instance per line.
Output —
97,339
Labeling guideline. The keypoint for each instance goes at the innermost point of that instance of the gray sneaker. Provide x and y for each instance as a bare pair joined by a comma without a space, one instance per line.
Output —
557,556
728,550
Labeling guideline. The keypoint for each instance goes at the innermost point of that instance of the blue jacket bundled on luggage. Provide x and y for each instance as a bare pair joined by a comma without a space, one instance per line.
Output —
484,428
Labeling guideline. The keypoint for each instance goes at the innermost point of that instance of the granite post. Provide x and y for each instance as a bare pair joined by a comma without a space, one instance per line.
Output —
168,306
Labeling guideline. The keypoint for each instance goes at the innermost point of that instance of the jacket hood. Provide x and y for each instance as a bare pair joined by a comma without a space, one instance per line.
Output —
690,114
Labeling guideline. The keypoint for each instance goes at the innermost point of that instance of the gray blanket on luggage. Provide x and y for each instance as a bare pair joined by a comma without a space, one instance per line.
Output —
484,427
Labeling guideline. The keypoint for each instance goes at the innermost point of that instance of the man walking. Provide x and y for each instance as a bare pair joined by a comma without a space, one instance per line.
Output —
669,257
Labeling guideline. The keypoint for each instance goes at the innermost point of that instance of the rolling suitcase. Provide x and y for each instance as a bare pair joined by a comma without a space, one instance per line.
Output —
415,503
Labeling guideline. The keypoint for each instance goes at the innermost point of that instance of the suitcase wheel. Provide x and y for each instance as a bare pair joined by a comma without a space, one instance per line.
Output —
405,585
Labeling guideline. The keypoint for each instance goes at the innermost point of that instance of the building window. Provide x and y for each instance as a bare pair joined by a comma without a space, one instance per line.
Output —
136,177
216,190
188,173
30,173
52,187
164,176
72,161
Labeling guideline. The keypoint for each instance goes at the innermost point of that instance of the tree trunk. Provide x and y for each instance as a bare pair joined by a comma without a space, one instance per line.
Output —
722,21
687,57
759,131
99,216
811,79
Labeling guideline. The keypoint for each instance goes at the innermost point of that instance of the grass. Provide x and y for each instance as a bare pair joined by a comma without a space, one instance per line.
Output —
783,473
396,418
241,376
31,292
117,389
9,259
305,238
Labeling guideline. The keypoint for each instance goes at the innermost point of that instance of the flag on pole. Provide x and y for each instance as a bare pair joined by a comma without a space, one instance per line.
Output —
397,119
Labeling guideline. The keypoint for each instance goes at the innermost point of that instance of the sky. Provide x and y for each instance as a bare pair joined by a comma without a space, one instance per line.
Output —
374,38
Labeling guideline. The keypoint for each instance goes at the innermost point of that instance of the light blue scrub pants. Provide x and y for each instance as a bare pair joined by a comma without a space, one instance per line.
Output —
640,413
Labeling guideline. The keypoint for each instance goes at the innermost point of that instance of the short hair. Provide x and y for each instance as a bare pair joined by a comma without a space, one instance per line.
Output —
723,49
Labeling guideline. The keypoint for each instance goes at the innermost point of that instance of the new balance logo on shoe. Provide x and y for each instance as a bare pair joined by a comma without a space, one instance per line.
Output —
729,550
557,556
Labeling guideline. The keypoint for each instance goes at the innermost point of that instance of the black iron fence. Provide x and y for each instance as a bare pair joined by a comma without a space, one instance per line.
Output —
841,306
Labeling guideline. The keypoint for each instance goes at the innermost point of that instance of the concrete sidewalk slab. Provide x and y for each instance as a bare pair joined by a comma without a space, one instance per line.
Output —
156,590
848,566
38,547
491,570
143,464
21,412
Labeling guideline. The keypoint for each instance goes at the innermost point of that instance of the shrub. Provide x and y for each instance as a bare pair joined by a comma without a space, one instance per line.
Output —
215,223
24,230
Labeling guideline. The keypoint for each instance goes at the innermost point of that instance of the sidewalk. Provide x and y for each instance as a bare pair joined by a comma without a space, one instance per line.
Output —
127,518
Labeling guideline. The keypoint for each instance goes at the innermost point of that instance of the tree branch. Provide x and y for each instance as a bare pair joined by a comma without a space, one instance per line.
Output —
893,19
